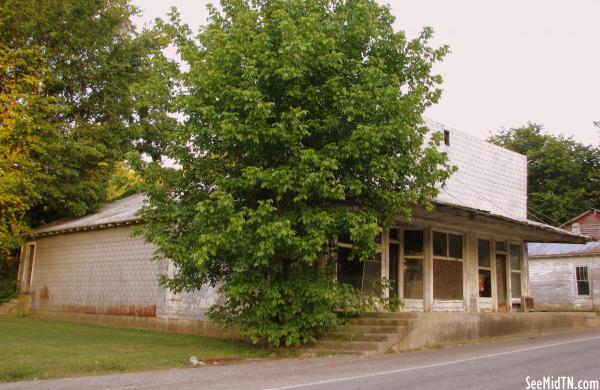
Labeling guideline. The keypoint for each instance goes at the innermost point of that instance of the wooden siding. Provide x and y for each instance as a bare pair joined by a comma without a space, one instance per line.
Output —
589,224
552,283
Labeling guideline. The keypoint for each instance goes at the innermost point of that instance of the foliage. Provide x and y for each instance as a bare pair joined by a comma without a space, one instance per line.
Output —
34,348
563,175
74,90
352,302
123,182
8,278
302,123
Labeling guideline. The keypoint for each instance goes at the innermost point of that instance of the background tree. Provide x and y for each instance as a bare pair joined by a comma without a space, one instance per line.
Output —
74,80
563,175
302,124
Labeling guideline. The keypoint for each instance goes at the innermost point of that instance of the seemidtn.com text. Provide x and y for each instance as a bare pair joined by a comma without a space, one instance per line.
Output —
561,383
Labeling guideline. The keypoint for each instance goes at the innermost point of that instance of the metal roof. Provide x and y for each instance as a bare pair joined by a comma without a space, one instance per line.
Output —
563,250
120,212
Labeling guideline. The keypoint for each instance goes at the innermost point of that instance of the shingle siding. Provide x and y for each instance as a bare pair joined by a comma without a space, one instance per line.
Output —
107,272
489,177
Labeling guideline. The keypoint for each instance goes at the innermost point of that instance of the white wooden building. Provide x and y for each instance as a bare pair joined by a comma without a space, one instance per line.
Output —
469,254
567,276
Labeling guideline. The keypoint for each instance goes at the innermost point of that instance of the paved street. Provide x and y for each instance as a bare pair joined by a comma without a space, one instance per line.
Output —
502,364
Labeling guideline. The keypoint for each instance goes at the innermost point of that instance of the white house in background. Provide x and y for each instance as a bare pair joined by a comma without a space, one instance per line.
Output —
468,254
567,276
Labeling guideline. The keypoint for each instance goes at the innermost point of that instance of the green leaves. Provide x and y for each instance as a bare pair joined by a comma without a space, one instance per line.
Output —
303,125
563,175
84,88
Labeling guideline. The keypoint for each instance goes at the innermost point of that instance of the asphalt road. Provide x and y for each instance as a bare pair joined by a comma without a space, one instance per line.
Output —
504,364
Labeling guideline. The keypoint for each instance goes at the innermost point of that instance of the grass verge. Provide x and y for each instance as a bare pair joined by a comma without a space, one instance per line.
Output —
35,348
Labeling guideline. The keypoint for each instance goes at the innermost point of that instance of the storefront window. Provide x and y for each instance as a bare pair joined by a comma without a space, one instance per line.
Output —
447,266
485,268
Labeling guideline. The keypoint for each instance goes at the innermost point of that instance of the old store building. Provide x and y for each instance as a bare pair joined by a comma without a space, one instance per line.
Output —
468,254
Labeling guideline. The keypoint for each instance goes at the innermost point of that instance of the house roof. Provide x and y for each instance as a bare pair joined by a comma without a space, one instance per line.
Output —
580,216
121,212
543,250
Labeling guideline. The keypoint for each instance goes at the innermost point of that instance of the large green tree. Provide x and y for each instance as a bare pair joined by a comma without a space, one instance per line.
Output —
75,79
302,124
563,175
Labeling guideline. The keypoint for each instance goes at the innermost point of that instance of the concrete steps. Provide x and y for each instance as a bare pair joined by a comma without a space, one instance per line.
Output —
368,335
19,306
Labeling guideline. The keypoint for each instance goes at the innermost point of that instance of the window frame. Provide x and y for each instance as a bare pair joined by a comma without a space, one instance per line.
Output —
461,260
490,268
516,300
587,280
404,257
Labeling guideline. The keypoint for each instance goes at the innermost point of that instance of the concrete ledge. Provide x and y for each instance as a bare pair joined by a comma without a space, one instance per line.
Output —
430,329
170,325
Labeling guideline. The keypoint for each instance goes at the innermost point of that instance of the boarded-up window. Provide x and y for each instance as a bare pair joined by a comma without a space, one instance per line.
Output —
447,266
485,269
583,282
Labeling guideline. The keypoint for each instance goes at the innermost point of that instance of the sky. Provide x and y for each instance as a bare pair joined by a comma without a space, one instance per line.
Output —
511,61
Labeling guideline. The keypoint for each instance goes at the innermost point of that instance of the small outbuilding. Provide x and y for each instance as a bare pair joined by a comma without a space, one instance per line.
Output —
567,276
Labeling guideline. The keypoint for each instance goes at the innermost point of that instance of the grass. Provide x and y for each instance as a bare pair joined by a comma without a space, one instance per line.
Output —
41,349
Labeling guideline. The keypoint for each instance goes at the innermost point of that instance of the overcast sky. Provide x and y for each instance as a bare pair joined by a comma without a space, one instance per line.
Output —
512,61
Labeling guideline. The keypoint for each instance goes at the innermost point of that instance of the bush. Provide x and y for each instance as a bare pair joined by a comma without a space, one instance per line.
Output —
354,303
8,280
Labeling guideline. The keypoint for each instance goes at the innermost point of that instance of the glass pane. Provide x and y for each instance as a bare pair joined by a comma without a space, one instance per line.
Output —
349,271
583,288
500,245
515,284
413,279
485,283
394,234
413,243
447,279
515,257
501,280
393,276
372,273
483,253
440,244
456,246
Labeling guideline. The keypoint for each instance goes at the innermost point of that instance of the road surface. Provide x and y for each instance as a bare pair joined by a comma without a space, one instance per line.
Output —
515,363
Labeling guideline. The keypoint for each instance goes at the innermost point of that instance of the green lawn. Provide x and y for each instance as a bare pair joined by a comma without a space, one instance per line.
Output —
33,348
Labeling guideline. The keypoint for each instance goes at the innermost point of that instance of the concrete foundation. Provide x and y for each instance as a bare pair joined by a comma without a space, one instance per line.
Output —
431,329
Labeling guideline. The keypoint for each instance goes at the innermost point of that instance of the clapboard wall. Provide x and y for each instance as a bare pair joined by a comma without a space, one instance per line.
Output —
553,283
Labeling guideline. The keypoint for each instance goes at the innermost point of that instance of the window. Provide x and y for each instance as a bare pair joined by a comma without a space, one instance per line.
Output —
394,256
349,270
413,264
446,138
447,266
29,260
485,268
362,275
583,282
515,270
